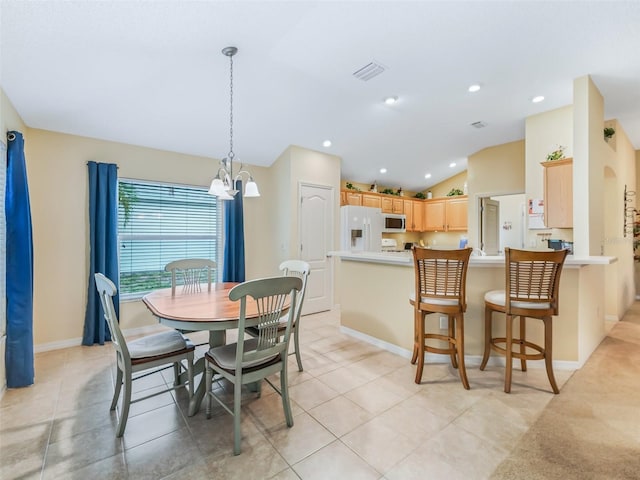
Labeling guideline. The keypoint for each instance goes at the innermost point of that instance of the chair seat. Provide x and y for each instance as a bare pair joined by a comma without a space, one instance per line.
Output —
282,326
435,300
157,344
225,355
497,297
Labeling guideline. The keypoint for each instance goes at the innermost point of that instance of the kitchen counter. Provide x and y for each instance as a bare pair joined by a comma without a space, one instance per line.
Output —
405,258
374,288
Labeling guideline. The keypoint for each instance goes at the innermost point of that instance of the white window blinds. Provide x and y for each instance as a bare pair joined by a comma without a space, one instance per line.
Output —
158,224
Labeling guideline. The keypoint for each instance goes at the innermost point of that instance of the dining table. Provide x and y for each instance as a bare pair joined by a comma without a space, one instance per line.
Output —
206,309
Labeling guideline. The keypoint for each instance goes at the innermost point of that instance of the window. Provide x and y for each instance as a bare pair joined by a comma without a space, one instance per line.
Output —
159,223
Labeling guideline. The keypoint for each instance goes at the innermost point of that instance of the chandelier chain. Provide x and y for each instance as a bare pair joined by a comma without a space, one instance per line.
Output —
231,154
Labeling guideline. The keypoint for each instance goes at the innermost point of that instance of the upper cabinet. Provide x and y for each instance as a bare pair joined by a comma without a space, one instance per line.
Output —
371,200
558,193
446,214
438,214
456,214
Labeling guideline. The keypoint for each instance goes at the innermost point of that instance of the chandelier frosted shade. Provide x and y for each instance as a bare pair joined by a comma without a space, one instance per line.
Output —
251,190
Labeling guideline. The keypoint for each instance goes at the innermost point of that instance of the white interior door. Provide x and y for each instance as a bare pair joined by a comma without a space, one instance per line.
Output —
316,219
489,228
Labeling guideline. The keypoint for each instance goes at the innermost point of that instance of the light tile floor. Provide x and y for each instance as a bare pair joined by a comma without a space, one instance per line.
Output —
357,411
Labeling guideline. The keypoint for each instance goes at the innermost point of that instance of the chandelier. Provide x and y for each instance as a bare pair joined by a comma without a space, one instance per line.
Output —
223,185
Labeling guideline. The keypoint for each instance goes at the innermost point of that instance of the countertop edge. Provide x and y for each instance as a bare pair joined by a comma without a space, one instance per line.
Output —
475,261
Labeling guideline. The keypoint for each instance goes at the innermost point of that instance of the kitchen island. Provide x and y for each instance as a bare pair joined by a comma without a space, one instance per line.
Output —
374,290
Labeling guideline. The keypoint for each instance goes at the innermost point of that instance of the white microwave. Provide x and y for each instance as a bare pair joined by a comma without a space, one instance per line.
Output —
393,223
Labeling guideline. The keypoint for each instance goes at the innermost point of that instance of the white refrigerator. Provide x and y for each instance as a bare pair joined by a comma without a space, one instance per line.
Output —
361,228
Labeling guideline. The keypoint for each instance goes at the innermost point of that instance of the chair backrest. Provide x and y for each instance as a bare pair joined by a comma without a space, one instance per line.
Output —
192,271
271,295
300,269
107,290
533,277
441,274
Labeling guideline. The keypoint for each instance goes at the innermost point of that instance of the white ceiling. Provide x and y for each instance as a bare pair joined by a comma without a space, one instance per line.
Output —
150,73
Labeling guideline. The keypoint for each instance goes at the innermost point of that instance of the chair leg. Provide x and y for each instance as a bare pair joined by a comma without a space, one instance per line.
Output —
296,344
126,403
190,377
176,374
523,348
548,349
508,348
237,399
487,336
118,386
284,392
420,347
451,322
208,389
416,319
460,349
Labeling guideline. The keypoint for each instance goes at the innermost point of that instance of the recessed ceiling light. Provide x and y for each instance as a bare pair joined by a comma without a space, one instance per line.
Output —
452,164
326,143
391,100
537,99
428,175
383,170
474,88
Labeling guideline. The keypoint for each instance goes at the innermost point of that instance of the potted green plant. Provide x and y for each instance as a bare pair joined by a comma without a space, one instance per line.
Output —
420,195
608,133
350,186
455,191
557,154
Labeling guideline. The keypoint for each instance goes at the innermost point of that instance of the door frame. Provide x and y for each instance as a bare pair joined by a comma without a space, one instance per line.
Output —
478,209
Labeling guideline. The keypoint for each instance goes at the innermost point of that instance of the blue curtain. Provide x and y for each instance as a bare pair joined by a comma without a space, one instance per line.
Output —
19,273
103,254
233,267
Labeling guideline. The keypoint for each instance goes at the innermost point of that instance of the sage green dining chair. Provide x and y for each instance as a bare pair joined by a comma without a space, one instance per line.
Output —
188,275
149,355
250,361
300,269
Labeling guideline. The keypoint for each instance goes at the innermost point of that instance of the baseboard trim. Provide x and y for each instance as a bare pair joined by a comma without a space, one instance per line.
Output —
470,360
75,342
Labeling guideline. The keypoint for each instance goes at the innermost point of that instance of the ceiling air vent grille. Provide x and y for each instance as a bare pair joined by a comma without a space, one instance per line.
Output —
369,71
478,124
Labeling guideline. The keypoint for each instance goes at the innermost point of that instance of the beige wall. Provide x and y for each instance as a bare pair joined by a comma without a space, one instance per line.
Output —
57,171
58,185
441,189
388,316
482,178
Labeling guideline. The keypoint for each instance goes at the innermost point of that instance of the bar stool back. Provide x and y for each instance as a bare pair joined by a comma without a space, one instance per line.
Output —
532,285
440,282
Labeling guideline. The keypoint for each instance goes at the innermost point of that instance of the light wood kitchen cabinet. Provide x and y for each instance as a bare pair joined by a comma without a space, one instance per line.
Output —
418,215
558,193
446,214
392,205
456,214
353,198
414,213
434,215
408,214
371,200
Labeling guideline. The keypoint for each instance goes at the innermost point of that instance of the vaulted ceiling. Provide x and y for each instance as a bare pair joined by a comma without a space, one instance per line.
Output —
151,73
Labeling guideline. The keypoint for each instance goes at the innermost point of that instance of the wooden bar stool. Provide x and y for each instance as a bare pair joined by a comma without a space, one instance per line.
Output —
532,283
440,281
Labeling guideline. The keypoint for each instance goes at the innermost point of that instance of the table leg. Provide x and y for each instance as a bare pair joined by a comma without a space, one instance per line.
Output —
216,338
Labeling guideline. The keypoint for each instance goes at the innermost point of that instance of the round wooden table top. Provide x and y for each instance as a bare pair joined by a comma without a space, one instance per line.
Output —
204,306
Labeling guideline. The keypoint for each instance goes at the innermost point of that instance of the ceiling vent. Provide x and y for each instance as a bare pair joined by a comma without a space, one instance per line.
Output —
369,71
478,124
